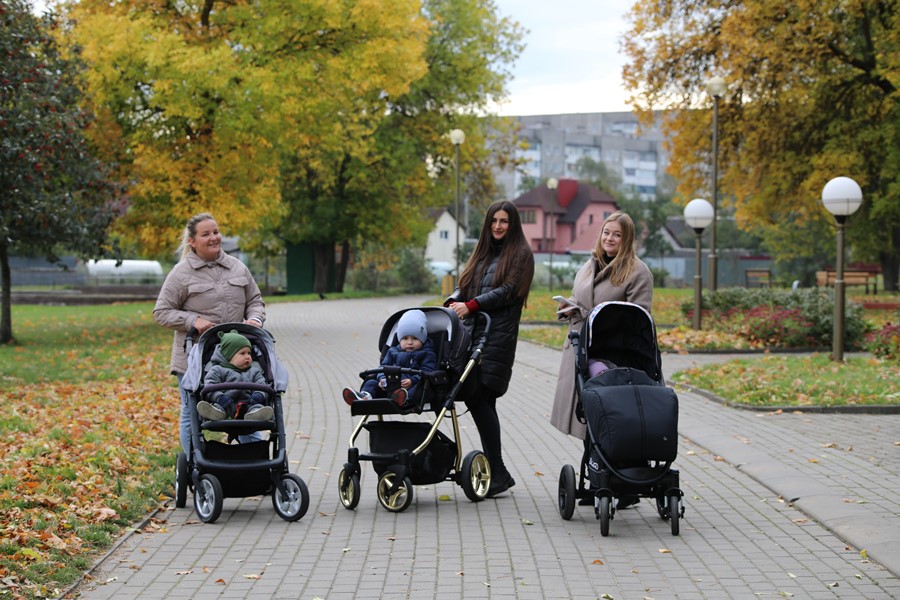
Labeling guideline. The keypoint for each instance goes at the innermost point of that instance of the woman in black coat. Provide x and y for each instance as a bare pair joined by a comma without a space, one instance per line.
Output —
495,280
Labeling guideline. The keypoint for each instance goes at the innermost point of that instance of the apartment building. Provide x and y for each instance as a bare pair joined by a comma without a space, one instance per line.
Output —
555,143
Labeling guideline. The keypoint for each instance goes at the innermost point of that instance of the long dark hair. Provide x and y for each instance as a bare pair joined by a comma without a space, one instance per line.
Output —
516,260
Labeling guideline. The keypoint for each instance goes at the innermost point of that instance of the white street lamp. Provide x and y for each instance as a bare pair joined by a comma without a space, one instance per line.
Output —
842,197
457,137
698,214
716,87
552,184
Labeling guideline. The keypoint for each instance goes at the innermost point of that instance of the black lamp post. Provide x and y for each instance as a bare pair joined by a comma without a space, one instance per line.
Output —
698,214
552,184
457,137
715,86
842,197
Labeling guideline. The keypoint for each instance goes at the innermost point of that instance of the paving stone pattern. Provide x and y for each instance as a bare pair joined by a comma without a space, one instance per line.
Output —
741,537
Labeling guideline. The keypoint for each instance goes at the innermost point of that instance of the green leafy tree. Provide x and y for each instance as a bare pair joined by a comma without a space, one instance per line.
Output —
410,166
812,94
54,194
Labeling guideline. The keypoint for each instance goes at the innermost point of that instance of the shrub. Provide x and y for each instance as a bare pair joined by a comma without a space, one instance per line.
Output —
413,273
771,327
885,342
802,317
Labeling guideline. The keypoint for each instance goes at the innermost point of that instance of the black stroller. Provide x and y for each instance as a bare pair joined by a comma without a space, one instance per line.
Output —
406,453
631,418
219,469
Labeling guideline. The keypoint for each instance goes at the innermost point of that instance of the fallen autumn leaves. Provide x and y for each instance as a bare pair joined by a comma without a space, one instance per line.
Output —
80,462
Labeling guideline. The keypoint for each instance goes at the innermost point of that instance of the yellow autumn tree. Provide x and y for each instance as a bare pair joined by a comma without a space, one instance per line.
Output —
206,105
812,94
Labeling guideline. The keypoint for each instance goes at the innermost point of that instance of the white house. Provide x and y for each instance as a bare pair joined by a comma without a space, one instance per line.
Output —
441,244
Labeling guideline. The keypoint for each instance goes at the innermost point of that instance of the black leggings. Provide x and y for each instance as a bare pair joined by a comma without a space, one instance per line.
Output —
484,412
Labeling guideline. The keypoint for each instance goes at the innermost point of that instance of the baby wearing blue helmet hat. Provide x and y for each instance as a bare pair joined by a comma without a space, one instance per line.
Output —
413,350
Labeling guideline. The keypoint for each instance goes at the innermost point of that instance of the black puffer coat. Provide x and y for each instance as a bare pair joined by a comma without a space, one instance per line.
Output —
505,310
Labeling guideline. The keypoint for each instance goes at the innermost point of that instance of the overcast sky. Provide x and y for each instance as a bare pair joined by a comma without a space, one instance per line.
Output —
571,62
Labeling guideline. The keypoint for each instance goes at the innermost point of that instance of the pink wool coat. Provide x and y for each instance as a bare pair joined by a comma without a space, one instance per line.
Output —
590,289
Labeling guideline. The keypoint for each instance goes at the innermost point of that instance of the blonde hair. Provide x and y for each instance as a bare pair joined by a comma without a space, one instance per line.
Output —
190,230
623,264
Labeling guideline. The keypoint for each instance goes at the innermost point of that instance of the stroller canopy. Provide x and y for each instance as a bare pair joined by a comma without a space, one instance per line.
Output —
623,333
262,341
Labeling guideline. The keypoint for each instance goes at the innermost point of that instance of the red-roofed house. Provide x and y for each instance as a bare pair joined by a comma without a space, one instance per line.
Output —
566,219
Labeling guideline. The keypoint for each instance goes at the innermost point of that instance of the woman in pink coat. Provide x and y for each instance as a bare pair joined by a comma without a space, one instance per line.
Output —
612,273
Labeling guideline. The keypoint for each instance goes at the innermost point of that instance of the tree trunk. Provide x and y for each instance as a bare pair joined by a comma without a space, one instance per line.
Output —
341,278
6,336
890,266
324,265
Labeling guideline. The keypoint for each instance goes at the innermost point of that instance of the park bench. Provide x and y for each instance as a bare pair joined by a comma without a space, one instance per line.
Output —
757,278
851,278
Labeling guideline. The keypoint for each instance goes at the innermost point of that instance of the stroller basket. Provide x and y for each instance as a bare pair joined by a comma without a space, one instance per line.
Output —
433,465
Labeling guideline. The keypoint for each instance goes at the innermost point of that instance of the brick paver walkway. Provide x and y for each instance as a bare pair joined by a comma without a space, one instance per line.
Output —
777,505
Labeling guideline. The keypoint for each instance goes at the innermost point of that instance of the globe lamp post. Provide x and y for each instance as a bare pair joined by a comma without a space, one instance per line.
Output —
457,137
552,184
842,197
698,214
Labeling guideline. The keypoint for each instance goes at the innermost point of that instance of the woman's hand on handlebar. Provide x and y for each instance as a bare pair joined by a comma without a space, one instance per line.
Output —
460,309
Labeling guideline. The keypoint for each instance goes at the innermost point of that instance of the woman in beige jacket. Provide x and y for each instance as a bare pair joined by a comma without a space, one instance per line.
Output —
206,288
613,273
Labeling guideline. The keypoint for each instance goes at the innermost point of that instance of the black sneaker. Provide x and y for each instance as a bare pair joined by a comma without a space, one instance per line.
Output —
499,486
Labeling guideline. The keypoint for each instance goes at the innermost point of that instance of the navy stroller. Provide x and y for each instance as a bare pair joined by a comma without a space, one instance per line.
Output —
404,453
631,418
215,468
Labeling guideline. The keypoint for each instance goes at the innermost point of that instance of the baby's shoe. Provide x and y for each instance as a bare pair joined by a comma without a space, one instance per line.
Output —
210,411
351,396
399,397
258,412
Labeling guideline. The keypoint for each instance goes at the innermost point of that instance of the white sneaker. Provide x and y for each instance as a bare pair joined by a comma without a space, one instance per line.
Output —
210,411
258,412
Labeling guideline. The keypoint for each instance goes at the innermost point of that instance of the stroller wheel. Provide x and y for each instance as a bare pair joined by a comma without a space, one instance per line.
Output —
294,504
475,475
208,498
394,500
348,489
674,513
182,480
567,492
604,515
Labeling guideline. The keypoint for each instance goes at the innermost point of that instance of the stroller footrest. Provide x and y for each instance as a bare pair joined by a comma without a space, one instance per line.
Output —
238,426
380,406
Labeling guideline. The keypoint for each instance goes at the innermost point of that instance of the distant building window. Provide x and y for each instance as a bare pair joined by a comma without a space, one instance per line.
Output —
528,216
445,235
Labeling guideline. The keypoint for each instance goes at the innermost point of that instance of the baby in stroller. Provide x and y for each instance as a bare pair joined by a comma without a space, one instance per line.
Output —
216,468
232,361
413,350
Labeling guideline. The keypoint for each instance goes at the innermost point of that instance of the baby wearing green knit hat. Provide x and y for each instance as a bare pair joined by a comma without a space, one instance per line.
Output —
232,362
